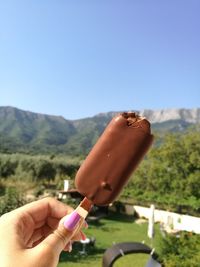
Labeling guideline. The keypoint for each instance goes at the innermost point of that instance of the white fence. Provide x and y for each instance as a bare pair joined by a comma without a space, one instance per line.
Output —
174,220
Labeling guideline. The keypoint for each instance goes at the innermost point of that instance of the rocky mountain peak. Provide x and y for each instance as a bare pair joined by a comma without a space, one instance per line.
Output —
162,115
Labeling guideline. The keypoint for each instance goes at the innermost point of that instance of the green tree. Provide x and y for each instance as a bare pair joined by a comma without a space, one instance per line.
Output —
170,174
7,167
45,170
182,250
11,200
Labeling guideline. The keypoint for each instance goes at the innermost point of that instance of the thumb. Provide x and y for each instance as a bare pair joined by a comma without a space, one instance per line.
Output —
69,226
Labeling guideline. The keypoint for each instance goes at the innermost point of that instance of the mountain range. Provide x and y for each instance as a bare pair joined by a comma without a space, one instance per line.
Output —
29,132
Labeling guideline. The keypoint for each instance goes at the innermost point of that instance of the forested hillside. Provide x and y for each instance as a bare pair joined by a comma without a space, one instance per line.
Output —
169,176
38,151
28,132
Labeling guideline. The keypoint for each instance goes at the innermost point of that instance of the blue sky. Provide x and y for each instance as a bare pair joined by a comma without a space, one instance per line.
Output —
78,58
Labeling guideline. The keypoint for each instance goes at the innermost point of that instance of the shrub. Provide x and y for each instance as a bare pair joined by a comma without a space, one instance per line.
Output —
11,200
182,250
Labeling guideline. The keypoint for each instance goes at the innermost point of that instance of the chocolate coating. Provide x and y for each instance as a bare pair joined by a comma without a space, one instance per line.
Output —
113,158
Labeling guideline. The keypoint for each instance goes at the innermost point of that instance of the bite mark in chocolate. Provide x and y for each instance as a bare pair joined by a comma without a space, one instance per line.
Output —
106,186
126,140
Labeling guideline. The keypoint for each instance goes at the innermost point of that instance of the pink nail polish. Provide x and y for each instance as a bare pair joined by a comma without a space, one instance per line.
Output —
72,220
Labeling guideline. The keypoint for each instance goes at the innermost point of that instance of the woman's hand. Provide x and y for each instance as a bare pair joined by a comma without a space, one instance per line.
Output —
34,236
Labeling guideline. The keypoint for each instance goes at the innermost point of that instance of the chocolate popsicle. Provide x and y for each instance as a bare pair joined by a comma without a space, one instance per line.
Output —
113,158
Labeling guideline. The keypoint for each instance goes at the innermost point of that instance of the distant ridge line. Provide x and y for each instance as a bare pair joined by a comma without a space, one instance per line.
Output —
30,132
155,116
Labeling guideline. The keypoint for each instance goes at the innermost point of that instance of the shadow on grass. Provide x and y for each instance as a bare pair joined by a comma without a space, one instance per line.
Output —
75,256
96,223
115,216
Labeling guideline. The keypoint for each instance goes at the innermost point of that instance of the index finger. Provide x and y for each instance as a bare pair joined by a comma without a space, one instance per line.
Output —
47,207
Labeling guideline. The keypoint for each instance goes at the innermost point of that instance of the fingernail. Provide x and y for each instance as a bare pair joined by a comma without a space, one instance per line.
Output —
72,220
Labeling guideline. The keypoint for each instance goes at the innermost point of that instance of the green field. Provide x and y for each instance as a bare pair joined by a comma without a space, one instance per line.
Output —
115,228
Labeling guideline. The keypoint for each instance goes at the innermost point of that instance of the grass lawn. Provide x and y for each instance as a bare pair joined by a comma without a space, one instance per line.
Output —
115,228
